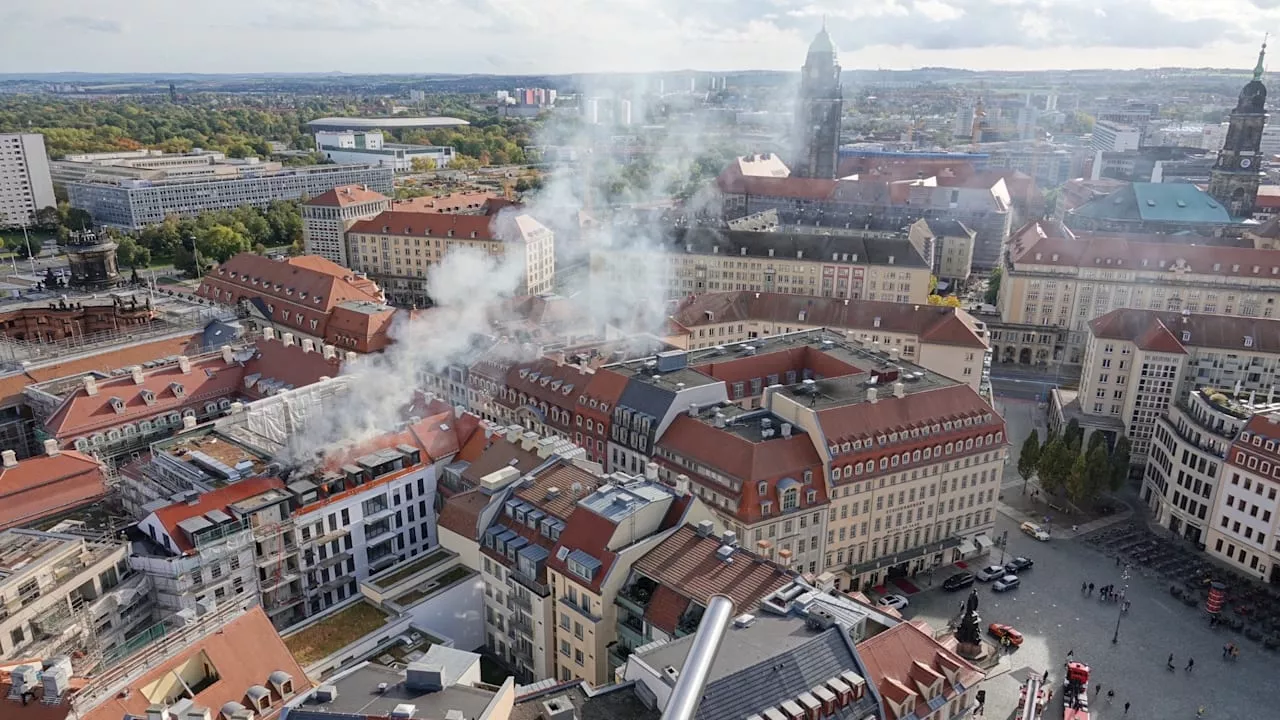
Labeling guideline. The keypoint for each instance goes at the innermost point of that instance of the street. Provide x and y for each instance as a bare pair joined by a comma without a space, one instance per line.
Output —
1055,618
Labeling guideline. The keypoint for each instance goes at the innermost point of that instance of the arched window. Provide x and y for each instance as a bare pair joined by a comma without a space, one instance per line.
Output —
790,499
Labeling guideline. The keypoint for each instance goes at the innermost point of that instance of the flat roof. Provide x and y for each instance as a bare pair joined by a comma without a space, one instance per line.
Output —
358,695
356,123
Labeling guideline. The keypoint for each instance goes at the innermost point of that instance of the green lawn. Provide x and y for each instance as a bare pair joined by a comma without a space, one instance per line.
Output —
416,566
322,639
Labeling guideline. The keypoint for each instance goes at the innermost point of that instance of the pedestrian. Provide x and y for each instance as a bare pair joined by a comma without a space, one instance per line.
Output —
1097,689
1226,650
1090,588
1071,653
1111,694
1191,662
1117,561
1126,707
1084,587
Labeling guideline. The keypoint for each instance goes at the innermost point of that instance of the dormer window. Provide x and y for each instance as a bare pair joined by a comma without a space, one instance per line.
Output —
148,397
117,405
178,391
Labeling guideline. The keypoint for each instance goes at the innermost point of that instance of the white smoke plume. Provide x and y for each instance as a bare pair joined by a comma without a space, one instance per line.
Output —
609,266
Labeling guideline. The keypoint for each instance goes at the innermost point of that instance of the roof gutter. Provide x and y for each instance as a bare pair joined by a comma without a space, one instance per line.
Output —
685,696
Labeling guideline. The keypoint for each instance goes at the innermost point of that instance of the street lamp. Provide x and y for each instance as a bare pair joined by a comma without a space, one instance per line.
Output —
1003,542
1124,578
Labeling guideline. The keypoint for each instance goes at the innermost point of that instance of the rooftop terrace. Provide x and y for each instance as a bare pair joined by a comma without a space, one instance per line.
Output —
331,633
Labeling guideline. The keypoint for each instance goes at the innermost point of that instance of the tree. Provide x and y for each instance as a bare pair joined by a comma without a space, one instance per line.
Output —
933,284
130,254
1099,470
1028,457
1054,465
1077,484
993,287
944,301
1095,440
47,218
1073,436
422,164
1120,463
219,242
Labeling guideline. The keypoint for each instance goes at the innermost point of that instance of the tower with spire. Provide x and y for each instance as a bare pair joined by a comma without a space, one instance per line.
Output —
818,111
1236,176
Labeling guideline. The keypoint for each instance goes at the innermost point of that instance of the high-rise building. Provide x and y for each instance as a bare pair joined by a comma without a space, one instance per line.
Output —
25,186
818,111
327,217
1235,178
1114,137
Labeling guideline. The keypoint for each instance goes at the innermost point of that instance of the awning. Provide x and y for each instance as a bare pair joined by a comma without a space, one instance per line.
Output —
967,547
983,541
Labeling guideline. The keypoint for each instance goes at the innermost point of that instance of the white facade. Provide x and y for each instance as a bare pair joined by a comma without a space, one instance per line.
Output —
367,147
1246,527
25,185
324,227
1115,137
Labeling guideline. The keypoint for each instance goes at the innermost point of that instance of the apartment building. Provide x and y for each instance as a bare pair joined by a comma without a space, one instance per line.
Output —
917,677
1139,363
698,260
670,588
64,593
948,341
398,249
327,217
953,248
25,183
132,204
1188,448
1054,286
1245,531
607,531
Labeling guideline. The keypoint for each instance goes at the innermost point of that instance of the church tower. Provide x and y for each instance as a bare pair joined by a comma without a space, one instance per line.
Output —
1235,177
818,111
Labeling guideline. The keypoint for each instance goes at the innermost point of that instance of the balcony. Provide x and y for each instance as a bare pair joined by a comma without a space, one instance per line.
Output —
618,655
377,530
636,596
522,624
515,600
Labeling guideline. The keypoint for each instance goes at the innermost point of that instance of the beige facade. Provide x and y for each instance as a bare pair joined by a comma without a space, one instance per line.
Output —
1121,380
1053,287
1245,531
324,226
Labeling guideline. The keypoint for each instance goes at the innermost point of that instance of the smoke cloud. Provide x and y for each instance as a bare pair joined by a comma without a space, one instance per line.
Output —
610,212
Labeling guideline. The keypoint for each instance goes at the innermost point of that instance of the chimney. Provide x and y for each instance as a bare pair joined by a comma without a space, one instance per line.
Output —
330,352
287,339
459,411
682,485
705,528
308,345
899,390
894,353
10,458
268,333
51,448
786,430
871,395
158,712
196,712
90,386
136,373
529,440
513,433
188,422
184,364
228,356
350,357
651,471
558,708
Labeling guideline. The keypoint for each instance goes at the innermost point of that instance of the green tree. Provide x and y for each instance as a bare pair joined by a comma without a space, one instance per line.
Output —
47,218
1054,465
219,242
1029,456
1073,435
1077,484
1120,463
1099,474
993,287
1095,440
130,254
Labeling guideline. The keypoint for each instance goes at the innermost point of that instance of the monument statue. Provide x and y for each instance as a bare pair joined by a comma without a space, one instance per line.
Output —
969,631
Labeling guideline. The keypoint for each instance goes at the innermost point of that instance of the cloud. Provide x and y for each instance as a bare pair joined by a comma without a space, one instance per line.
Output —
93,24
570,36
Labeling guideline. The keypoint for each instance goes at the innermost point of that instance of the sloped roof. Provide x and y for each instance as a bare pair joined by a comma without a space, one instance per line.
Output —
368,323
218,499
290,364
935,324
1223,332
902,655
1157,202
1118,251
787,245
427,224
345,195
46,485
461,513
587,532
307,282
892,413
687,564
452,202
244,652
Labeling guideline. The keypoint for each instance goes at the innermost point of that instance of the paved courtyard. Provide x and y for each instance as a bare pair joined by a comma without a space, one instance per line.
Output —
1055,618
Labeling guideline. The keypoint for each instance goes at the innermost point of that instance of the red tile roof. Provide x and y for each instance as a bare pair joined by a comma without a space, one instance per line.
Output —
1223,332
81,414
345,195
778,363
1266,430
461,513
427,224
585,530
451,203
218,499
665,609
901,657
1120,252
359,327
733,182
1268,197
243,653
291,365
687,564
45,485
865,420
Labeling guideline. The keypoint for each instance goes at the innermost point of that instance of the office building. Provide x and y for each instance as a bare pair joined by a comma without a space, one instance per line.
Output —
1111,136
367,147
398,249
131,204
25,183
326,218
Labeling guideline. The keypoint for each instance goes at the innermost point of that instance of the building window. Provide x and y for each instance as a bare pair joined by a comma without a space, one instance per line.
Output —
790,499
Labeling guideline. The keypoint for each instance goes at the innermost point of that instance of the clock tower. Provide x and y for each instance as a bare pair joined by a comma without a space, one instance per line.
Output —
1235,177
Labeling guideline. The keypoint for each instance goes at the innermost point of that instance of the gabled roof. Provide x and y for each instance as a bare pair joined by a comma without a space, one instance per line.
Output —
902,658
784,246
1158,331
427,224
367,323
1120,252
589,533
45,485
686,563
935,324
243,653
345,195
891,413
170,516
306,281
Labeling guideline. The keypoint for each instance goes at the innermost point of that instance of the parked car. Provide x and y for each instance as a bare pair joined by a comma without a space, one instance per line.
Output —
959,581
1008,582
1019,564
999,632
992,572
897,602
1035,531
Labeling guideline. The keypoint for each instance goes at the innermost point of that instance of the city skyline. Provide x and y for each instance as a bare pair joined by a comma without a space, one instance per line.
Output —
572,36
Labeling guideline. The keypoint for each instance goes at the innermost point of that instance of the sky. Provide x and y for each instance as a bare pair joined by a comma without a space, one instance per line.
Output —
572,36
